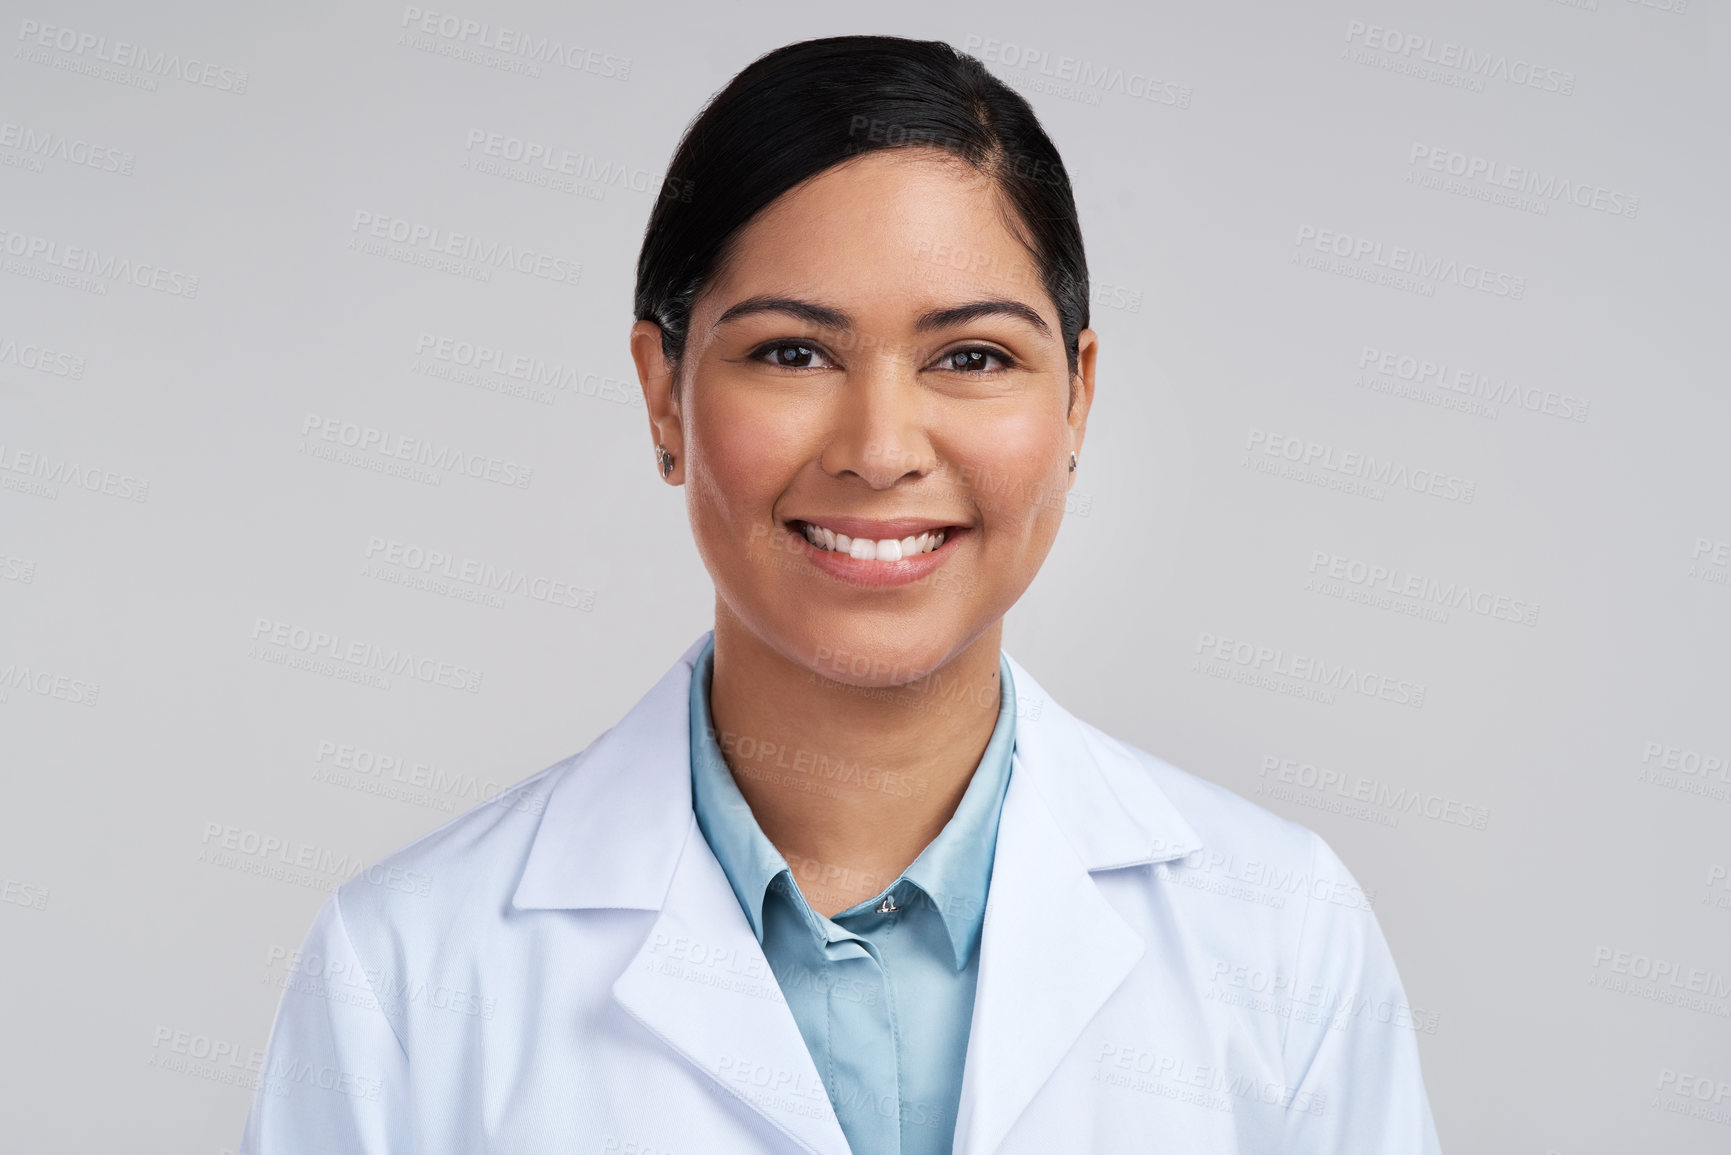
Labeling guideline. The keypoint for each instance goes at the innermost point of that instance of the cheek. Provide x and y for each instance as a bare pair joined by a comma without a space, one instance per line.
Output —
1010,471
740,458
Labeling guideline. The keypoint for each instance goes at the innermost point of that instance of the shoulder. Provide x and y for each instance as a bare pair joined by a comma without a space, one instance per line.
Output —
1275,941
600,829
1265,892
1224,819
1127,805
455,873
1254,887
1210,823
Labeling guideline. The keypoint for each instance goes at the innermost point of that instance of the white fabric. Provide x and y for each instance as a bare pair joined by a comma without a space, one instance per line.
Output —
1165,967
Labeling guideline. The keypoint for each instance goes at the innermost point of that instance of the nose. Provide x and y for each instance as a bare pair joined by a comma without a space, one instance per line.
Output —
880,430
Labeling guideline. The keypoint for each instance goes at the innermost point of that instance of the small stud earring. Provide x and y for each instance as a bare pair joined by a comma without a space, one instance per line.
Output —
665,460
1072,461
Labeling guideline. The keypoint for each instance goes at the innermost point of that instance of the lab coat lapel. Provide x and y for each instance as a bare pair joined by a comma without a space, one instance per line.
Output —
1054,949
701,982
1052,953
618,833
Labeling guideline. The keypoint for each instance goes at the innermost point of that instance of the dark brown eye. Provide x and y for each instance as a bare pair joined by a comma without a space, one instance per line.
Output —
789,355
972,360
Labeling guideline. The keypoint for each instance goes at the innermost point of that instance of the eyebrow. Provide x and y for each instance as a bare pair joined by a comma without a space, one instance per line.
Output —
829,318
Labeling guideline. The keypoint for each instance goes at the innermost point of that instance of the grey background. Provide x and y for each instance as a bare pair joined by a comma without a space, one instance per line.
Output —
128,934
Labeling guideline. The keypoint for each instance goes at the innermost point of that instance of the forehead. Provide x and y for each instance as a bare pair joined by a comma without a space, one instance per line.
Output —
910,226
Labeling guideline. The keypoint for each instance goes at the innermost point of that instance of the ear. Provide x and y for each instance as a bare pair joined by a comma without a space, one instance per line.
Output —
1082,390
657,376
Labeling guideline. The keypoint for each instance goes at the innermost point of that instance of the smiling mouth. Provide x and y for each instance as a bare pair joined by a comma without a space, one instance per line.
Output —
868,549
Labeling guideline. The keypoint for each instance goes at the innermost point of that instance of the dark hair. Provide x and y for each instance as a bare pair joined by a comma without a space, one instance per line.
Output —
802,109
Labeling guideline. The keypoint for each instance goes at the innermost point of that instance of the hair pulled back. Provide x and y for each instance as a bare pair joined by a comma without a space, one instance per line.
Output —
799,110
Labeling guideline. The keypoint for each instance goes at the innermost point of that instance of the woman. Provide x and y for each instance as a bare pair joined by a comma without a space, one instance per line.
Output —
846,879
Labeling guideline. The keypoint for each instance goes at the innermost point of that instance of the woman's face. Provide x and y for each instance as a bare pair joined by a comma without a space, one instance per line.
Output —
877,370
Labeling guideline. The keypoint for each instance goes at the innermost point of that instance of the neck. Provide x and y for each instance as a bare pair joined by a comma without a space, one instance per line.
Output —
849,783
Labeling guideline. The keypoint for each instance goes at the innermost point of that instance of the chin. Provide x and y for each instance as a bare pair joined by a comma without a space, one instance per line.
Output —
878,655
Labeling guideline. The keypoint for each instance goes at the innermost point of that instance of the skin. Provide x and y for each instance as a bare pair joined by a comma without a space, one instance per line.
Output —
875,419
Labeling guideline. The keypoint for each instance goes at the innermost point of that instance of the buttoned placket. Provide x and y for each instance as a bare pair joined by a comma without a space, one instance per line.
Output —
854,965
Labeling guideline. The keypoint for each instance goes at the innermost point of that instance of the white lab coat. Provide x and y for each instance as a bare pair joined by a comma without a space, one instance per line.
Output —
1165,967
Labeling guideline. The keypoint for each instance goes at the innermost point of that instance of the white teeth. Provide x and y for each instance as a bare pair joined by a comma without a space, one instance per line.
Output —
865,549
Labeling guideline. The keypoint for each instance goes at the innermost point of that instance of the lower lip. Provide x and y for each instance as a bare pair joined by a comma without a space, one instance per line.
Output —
879,574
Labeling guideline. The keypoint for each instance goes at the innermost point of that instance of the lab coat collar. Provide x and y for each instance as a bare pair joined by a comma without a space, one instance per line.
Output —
618,832
618,815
